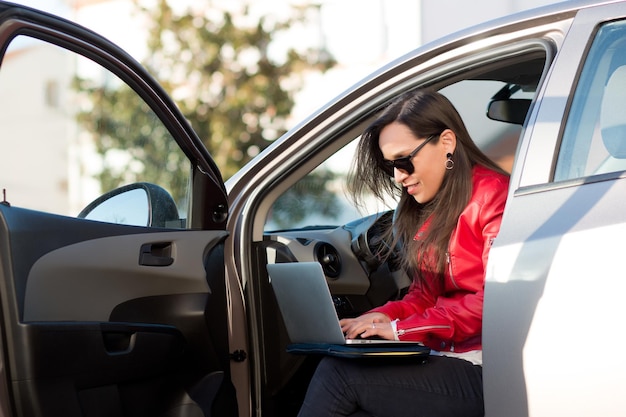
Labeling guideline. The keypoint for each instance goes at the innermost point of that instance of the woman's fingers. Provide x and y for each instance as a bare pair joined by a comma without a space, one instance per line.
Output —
358,327
382,330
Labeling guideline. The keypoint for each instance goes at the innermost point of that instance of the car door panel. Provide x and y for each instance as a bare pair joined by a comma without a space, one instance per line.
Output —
85,281
89,325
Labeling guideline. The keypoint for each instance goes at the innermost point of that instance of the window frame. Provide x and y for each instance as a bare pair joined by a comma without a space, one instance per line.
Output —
579,138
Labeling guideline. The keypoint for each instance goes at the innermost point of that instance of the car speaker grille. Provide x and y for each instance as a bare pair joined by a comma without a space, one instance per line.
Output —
329,258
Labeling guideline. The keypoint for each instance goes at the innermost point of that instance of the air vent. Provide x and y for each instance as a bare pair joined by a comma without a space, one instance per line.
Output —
328,256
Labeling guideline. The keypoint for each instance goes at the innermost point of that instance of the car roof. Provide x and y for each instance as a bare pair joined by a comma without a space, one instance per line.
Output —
524,18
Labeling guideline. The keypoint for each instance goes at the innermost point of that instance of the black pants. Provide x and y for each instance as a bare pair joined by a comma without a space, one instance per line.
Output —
441,387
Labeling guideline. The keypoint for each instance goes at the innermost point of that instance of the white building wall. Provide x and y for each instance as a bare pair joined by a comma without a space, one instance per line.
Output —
443,17
34,140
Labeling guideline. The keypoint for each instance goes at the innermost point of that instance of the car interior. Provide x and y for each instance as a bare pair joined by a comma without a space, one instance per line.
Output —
345,242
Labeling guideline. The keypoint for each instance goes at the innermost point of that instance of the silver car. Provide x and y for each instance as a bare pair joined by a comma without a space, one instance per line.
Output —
153,300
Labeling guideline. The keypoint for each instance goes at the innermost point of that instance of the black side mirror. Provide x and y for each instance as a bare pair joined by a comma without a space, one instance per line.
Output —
138,204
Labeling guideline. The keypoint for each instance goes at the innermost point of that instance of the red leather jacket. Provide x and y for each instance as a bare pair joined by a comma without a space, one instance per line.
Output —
452,321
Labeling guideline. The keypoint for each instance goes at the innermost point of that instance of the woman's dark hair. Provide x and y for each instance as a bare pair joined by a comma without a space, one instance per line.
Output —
425,113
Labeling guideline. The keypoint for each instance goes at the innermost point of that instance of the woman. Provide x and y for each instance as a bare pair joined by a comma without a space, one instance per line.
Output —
451,202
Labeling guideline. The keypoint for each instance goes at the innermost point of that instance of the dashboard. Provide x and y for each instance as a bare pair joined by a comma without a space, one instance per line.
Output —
358,279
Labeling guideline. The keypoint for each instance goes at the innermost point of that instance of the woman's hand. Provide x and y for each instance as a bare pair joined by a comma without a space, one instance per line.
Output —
368,325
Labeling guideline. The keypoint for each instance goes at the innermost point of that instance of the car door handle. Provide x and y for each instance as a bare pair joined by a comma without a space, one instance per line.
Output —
156,254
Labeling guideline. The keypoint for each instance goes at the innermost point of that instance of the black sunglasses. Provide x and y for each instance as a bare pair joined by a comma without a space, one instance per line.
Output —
405,163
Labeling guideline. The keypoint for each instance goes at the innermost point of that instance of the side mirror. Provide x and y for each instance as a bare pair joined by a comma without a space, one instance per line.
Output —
510,110
138,204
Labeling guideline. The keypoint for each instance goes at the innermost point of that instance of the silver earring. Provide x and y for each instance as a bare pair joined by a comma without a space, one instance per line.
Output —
449,161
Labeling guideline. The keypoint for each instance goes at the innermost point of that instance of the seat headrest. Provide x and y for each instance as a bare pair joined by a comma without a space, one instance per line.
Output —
613,114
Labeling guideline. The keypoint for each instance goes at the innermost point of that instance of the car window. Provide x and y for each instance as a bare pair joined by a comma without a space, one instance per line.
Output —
70,131
320,199
498,139
594,138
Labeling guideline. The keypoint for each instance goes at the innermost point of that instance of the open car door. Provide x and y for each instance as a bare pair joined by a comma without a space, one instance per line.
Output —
118,307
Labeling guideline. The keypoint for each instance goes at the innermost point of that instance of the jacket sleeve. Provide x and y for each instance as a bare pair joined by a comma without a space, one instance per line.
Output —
455,316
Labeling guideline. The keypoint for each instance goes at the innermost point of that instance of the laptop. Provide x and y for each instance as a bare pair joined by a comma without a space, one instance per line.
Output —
310,318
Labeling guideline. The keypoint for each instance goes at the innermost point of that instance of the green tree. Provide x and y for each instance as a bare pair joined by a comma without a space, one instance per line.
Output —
122,123
307,196
217,66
